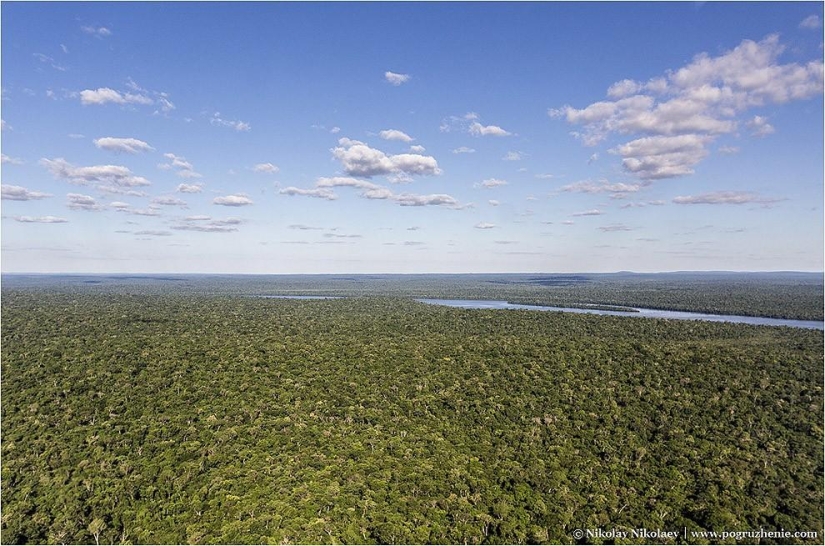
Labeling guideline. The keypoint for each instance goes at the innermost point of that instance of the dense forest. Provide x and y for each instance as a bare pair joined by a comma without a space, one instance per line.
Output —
137,415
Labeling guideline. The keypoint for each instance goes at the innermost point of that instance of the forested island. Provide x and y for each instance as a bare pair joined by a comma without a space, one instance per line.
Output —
183,409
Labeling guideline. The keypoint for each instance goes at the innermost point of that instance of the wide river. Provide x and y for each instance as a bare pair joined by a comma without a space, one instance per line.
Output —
641,312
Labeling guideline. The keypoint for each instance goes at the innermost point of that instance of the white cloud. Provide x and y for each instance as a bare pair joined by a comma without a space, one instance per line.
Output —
811,22
115,175
417,149
490,183
600,186
145,212
184,168
96,31
725,198
189,188
514,156
48,60
77,201
105,95
232,201
464,150
760,127
319,193
226,225
395,78
120,205
240,126
484,225
265,168
395,134
658,157
41,219
4,159
126,145
494,203
615,227
359,159
592,212
169,201
699,101
5,126
19,193
477,129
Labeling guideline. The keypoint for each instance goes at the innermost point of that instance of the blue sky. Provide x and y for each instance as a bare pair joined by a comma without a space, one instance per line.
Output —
411,138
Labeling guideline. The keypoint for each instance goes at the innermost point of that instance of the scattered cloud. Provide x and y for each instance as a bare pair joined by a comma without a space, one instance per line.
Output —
592,212
395,134
189,188
760,127
7,160
395,78
494,203
268,168
169,201
615,227
490,183
41,219
232,201
728,150
240,126
48,60
77,201
105,175
104,95
100,32
206,224
320,193
154,232
304,227
811,22
484,225
477,129
5,126
464,150
417,149
184,168
514,156
123,145
725,198
679,114
358,159
470,123
19,193
600,186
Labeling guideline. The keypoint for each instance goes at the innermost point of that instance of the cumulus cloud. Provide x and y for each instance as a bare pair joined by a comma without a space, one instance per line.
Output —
240,126
232,201
484,225
189,188
395,134
108,175
760,127
477,129
319,193
104,95
183,167
268,168
679,114
77,201
19,193
490,183
395,78
417,149
41,219
358,159
464,150
725,198
470,123
124,145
